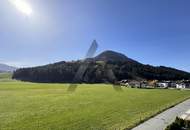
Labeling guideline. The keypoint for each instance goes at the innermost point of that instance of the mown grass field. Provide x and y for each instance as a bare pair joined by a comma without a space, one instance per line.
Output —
5,77
29,106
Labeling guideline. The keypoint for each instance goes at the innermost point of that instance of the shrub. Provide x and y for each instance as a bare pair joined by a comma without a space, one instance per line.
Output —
179,124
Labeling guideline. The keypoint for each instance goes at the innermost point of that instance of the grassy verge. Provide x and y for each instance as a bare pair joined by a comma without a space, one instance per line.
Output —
146,119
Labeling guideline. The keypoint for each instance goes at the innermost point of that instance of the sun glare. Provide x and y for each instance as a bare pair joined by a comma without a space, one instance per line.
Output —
22,6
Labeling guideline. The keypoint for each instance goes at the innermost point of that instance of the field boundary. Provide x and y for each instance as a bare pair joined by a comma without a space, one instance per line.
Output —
159,112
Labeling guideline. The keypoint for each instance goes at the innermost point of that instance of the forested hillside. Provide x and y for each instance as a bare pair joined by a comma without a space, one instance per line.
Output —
104,68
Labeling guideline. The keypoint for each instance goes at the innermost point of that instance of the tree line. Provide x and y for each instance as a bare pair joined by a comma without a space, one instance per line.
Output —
97,72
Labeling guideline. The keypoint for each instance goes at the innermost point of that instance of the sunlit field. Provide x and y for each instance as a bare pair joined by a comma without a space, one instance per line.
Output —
6,77
29,106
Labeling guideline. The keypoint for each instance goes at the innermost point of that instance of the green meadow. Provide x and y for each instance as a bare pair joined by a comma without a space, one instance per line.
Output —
5,75
32,106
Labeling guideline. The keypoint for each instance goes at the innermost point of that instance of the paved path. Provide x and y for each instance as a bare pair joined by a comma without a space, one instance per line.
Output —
161,121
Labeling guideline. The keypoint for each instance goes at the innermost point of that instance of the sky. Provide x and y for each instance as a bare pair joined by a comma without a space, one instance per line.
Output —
155,32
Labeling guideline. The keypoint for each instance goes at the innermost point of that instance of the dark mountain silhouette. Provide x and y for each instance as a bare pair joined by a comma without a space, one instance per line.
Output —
111,56
108,66
6,68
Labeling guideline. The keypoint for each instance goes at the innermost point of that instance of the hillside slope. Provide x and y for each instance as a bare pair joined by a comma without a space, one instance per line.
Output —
7,68
109,66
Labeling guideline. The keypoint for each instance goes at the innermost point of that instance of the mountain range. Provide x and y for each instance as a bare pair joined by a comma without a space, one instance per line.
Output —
6,68
109,66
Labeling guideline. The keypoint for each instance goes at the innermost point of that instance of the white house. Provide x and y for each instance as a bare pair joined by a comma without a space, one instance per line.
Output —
162,84
180,85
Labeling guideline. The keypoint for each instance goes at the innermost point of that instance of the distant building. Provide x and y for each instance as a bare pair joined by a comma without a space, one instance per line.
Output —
166,84
183,84
135,84
172,84
180,85
124,83
162,84
152,83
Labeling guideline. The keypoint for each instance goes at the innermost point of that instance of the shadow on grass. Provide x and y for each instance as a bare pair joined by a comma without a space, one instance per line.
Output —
117,88
72,88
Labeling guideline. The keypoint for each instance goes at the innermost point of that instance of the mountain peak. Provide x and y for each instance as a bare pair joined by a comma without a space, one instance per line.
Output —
110,55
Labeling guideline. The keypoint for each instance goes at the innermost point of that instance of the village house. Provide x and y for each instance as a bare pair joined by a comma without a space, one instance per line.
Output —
180,85
134,83
183,84
166,84
124,83
152,83
162,84
172,84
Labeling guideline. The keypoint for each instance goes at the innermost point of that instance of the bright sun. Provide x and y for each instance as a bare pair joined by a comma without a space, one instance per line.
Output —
22,6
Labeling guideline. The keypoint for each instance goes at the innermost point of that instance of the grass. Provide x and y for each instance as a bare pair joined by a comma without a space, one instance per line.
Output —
29,106
6,77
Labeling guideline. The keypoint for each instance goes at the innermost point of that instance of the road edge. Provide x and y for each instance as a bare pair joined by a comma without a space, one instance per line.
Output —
159,112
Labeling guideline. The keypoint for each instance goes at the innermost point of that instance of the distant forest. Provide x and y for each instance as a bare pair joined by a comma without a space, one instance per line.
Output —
97,72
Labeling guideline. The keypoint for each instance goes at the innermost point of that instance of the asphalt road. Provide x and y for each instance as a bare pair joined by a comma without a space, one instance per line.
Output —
161,121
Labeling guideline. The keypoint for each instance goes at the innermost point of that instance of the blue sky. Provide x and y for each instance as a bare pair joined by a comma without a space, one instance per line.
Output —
155,32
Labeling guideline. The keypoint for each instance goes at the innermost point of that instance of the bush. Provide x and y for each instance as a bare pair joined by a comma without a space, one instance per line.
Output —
179,124
174,126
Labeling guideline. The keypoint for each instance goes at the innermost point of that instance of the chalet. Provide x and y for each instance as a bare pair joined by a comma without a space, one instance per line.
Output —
162,84
133,83
172,85
166,84
152,83
180,85
124,83
183,84
138,84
